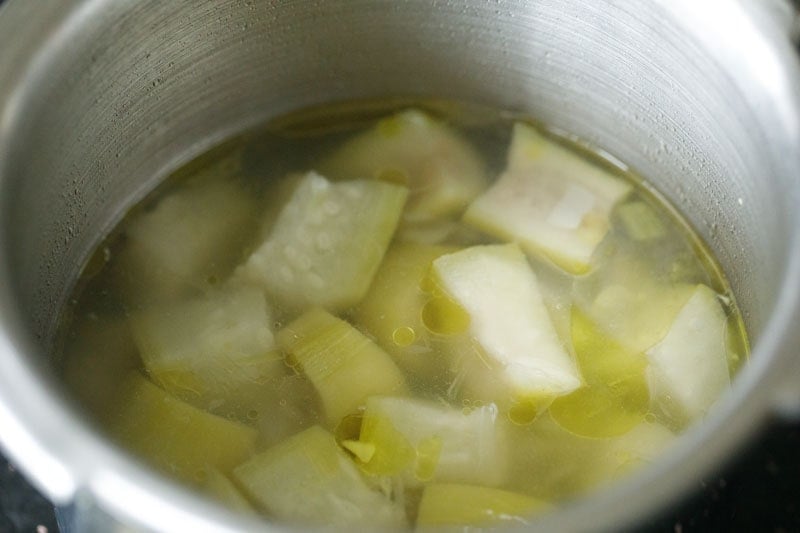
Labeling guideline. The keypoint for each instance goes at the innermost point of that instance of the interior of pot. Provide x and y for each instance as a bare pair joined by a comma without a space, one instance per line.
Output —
124,92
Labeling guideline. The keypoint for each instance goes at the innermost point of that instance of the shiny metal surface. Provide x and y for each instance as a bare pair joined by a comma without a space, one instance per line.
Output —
100,98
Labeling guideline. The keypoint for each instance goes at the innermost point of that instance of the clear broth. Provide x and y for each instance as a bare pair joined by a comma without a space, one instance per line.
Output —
549,462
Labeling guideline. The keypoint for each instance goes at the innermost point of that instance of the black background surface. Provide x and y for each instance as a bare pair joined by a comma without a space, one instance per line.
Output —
759,491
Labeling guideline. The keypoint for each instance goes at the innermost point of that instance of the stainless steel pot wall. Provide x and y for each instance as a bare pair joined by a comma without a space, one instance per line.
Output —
99,98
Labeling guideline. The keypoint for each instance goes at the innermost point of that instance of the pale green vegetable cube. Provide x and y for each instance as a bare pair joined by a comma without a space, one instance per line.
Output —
688,369
187,242
476,506
391,311
550,462
307,479
628,311
442,171
421,441
327,243
552,202
343,364
554,464
630,302
216,351
519,359
176,437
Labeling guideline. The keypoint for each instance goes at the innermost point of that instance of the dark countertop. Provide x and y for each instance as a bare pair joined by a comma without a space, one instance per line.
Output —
22,509
760,492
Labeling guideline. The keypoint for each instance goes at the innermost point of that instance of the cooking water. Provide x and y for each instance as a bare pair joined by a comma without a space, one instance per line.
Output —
386,314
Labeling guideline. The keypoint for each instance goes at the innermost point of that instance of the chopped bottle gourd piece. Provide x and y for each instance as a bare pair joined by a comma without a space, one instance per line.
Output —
688,369
186,242
421,441
391,309
327,243
221,488
639,315
470,505
615,397
555,464
176,437
442,171
216,351
520,359
307,479
629,303
344,366
552,202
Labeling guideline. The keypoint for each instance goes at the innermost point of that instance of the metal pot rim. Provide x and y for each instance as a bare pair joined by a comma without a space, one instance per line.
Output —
67,459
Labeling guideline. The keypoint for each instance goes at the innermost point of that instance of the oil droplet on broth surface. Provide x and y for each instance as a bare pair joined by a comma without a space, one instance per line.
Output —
404,336
442,315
